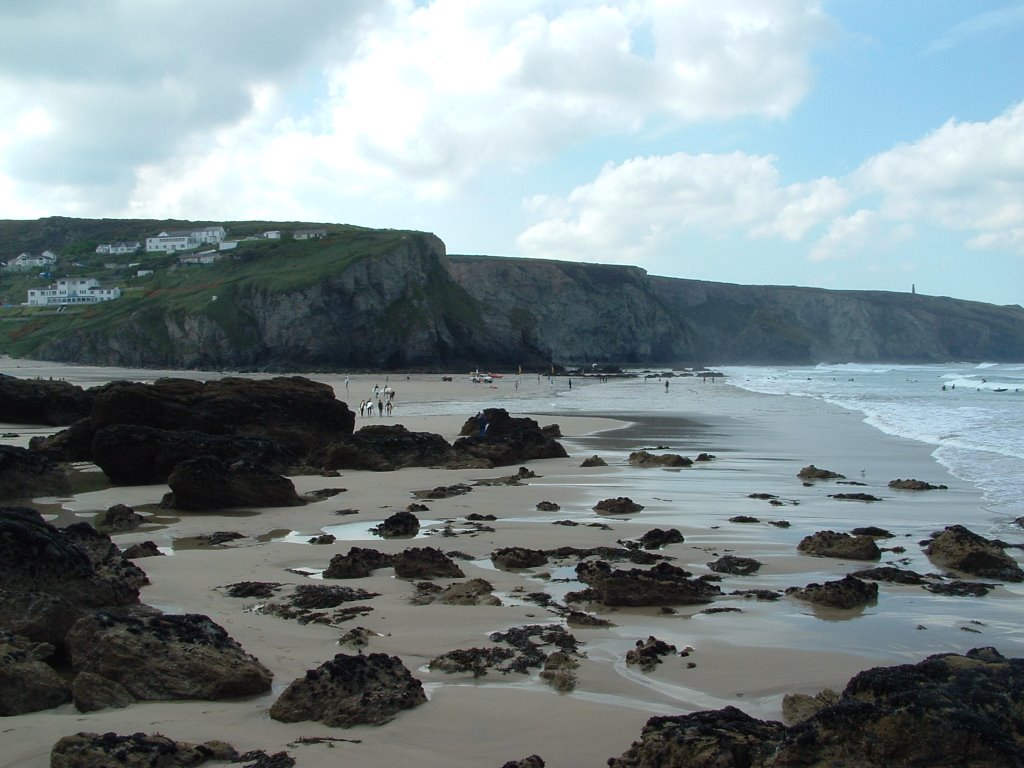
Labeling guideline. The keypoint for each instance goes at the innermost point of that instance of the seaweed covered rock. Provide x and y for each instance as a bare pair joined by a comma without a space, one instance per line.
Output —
648,459
840,545
384,447
914,485
735,565
656,538
518,557
139,750
159,657
357,563
811,472
401,525
620,505
350,690
663,584
962,550
425,563
848,592
25,474
503,440
206,482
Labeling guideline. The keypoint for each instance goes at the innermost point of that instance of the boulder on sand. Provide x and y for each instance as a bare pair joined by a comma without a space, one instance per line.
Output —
663,584
139,750
848,592
960,549
25,474
206,482
841,545
350,690
811,472
27,683
507,440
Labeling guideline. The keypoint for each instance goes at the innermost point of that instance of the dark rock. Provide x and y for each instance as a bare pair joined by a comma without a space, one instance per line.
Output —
757,594
42,401
119,517
71,444
872,531
472,592
890,574
762,496
184,656
518,557
656,538
384,447
49,577
811,472
142,549
25,474
516,479
663,584
320,596
477,661
417,507
507,440
647,459
854,497
962,550
425,563
745,519
92,692
350,690
705,457
218,538
357,563
323,538
209,483
93,750
594,461
27,682
444,491
547,506
647,654
841,545
848,592
780,523
739,566
401,525
960,588
915,485
533,761
250,589
622,505
136,454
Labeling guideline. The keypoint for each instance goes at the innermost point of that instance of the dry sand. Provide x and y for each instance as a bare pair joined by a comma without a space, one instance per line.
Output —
748,658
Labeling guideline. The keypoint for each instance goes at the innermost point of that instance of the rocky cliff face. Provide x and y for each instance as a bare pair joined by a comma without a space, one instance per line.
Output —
410,306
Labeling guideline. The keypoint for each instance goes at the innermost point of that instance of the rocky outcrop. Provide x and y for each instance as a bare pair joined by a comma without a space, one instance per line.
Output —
811,472
27,682
840,545
401,525
425,563
915,485
357,563
158,657
25,474
513,558
962,550
647,654
736,565
135,454
350,690
648,459
946,710
207,482
383,447
49,577
663,584
620,505
656,538
42,401
847,592
503,440
139,750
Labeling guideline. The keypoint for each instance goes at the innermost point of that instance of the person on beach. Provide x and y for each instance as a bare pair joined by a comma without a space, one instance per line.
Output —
380,408
666,386
362,408
481,420
388,407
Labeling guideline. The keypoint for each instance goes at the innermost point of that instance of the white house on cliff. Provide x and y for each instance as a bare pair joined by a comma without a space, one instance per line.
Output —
183,239
71,290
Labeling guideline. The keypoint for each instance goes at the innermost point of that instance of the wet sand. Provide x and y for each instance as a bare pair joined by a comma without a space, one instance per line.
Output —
747,658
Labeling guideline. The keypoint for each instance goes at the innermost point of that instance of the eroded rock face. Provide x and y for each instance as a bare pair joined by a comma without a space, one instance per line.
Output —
209,483
383,447
157,657
663,584
25,474
508,440
136,454
49,576
350,690
41,401
27,683
960,549
840,545
94,750
848,592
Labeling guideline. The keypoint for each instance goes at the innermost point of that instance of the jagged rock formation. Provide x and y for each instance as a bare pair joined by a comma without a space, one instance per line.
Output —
393,299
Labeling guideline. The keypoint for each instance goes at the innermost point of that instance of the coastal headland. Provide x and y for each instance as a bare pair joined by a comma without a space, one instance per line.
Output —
558,619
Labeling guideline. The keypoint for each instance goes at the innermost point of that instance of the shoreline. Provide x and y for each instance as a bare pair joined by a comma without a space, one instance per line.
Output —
747,658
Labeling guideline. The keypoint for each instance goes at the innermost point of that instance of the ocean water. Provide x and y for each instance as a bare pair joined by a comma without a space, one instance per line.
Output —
973,414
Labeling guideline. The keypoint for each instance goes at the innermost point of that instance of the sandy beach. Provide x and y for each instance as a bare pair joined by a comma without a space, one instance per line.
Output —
748,657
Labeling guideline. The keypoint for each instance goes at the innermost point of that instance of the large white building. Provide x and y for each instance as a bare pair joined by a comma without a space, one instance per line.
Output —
72,290
184,239
118,248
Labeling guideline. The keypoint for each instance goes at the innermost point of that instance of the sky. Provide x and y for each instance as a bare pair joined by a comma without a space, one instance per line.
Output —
845,144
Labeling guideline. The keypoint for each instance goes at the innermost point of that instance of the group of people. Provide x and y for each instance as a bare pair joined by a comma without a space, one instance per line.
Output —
383,400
